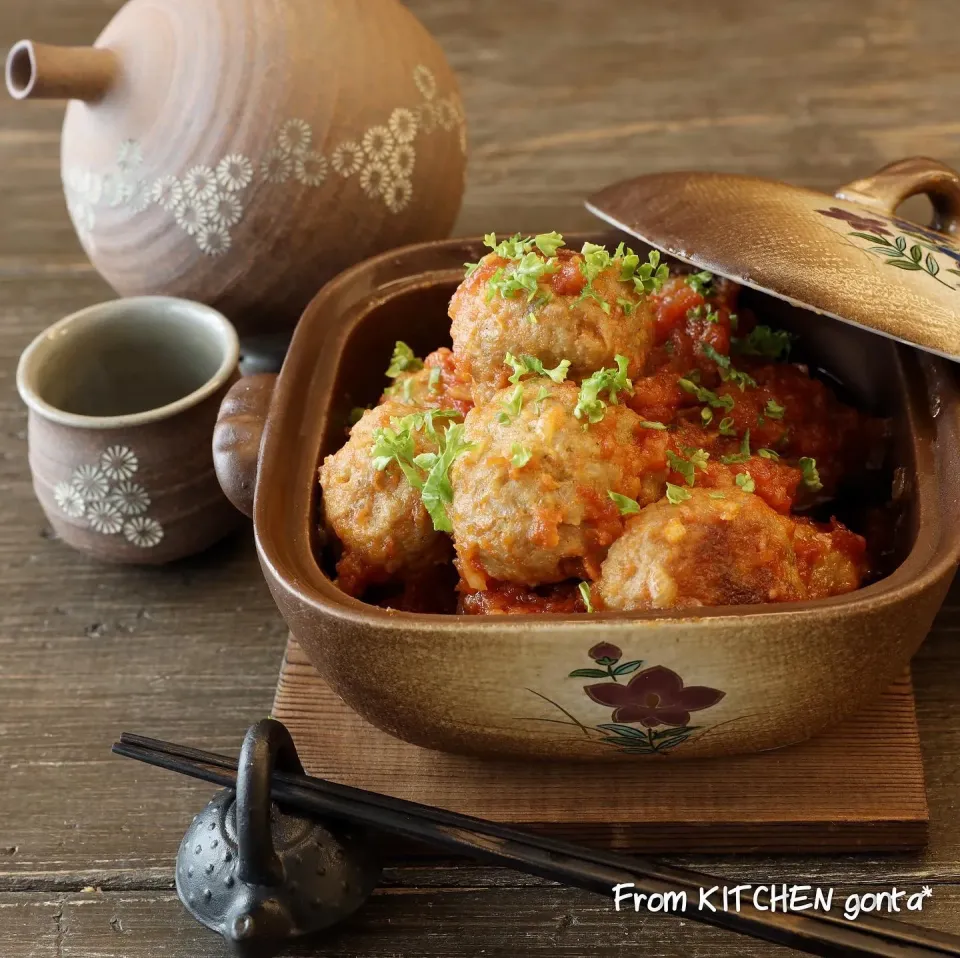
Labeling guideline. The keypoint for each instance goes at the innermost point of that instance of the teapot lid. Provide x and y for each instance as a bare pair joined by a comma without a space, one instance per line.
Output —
847,256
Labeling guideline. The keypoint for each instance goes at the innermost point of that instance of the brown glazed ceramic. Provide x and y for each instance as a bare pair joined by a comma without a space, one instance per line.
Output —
241,152
848,256
735,680
122,401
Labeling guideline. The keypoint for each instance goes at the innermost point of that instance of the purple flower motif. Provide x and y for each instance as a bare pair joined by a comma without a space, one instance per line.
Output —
653,697
605,654
863,223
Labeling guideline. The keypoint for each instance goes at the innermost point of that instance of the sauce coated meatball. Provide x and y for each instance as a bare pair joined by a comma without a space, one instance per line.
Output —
377,515
531,500
558,323
704,551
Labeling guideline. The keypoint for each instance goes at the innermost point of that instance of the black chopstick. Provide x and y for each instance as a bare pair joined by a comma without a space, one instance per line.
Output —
815,932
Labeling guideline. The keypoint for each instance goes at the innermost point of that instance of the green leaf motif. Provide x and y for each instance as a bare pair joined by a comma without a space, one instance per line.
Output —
625,668
905,264
933,267
916,254
901,243
885,251
588,674
624,731
872,237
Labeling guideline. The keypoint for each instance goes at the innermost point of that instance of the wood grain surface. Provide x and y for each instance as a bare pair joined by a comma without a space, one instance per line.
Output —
561,99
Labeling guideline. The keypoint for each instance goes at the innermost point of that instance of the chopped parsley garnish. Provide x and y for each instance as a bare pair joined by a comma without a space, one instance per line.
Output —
764,341
648,424
625,504
512,407
403,389
726,426
428,472
650,276
520,455
611,381
717,495
687,465
699,282
774,410
541,395
584,588
705,395
433,380
524,365
706,415
403,361
768,454
676,494
522,278
745,481
627,305
811,477
743,455
727,371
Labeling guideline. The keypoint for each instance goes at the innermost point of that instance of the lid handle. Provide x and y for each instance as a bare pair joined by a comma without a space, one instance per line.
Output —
889,187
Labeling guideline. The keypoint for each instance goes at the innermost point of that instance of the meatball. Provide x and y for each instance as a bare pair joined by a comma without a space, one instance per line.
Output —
438,385
558,323
376,514
531,501
705,551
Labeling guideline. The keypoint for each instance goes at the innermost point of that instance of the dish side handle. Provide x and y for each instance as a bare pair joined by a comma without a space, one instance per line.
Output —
889,187
237,436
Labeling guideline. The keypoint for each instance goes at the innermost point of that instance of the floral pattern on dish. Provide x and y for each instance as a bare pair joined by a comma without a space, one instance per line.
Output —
650,712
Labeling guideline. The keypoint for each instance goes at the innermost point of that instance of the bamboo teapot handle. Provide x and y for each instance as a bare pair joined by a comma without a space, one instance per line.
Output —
38,71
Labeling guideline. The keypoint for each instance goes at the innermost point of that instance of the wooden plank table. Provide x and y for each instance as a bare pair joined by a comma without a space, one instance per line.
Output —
562,98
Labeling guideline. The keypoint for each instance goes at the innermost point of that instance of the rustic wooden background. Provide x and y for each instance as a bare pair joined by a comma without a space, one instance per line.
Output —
562,97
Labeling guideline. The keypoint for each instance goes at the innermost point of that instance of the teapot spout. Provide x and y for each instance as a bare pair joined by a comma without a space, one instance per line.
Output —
38,71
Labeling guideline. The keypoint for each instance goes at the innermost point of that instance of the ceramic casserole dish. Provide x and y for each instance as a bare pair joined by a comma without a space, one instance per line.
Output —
513,686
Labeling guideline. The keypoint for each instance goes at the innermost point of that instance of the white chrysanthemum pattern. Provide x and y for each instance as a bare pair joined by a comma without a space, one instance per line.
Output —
68,500
104,517
129,498
143,531
118,462
207,202
102,497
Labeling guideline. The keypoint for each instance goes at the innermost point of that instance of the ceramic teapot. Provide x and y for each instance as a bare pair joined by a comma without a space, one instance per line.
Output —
241,152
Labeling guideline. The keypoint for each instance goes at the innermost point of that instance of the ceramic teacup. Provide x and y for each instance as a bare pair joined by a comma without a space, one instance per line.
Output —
122,401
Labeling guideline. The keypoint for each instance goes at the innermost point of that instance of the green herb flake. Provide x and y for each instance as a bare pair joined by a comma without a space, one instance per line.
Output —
743,455
520,455
512,407
745,481
627,305
470,268
548,243
764,341
811,477
706,415
609,380
584,589
699,282
626,505
544,393
726,426
650,276
768,454
683,466
676,494
717,495
704,395
433,380
437,492
530,365
774,410
403,361
648,424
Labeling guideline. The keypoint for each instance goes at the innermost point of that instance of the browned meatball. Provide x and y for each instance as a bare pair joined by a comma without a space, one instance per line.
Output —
705,551
559,323
377,514
531,500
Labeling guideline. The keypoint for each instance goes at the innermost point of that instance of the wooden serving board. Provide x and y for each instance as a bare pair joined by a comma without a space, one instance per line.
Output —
858,788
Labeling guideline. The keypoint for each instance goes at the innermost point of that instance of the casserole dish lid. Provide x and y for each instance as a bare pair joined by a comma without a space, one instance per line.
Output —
847,256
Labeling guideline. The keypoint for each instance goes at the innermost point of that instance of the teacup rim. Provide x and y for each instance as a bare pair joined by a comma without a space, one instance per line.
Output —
40,406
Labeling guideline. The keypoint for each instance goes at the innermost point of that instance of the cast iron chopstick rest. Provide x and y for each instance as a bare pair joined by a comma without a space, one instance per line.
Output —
259,876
